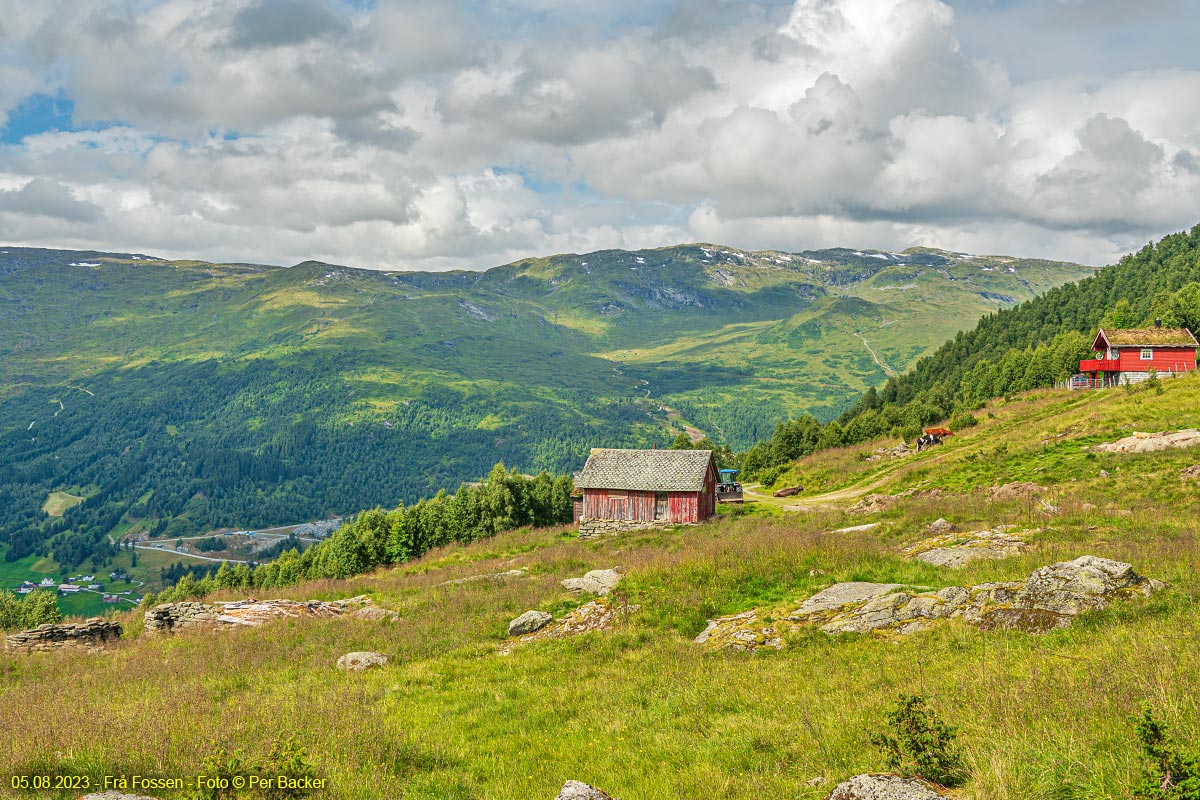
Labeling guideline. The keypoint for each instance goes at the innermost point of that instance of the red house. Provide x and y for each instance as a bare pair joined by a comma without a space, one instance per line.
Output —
631,489
1128,355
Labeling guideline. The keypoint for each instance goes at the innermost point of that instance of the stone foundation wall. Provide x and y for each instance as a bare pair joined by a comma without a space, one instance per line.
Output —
180,616
90,634
591,528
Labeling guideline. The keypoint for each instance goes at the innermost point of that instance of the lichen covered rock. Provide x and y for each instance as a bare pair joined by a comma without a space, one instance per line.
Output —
885,787
956,550
598,582
361,660
1152,442
1051,597
529,622
577,790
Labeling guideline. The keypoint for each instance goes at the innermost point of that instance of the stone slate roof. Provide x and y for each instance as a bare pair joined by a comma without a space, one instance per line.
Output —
1148,337
645,470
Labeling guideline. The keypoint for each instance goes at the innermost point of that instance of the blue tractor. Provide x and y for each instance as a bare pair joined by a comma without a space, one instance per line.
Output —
728,489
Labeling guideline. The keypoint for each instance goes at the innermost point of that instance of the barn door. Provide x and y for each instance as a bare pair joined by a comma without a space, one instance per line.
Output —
662,505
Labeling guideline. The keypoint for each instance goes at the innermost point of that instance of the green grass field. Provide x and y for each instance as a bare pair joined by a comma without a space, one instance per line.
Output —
58,503
643,712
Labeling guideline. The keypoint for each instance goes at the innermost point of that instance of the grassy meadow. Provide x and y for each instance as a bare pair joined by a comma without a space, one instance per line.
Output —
643,712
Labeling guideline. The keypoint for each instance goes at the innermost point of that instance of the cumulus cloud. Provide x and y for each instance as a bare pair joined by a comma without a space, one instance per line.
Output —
43,197
439,135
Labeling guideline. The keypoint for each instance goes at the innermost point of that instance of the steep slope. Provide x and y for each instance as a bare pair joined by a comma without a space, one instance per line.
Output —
249,395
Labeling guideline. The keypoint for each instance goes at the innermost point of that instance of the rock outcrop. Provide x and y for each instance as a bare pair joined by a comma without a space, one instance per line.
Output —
885,787
1152,442
959,549
497,577
597,615
1190,474
598,582
1050,598
361,660
92,634
577,790
529,622
185,616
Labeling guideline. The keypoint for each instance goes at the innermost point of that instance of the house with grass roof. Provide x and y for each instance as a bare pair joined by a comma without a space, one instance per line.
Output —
632,489
1128,356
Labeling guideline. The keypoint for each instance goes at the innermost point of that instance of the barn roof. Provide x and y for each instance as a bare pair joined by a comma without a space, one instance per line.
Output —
646,470
1147,337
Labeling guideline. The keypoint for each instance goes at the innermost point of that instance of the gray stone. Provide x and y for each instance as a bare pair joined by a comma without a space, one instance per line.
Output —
529,622
361,660
884,787
842,594
940,526
598,582
576,790
1152,442
167,617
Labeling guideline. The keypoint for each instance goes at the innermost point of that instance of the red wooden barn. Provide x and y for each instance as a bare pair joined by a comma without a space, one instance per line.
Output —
642,488
1129,354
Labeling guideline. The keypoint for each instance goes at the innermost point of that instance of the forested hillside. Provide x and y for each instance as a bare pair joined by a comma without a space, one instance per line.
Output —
178,396
1035,344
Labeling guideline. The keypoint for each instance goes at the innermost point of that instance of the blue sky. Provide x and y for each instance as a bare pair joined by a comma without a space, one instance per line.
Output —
399,134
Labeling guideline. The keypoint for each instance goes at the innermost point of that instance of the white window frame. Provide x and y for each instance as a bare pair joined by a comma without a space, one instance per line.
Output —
1147,354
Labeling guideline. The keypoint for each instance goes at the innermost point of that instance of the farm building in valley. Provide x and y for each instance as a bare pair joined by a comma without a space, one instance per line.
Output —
630,489
1129,355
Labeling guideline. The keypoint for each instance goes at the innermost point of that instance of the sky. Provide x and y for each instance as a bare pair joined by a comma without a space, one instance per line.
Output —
391,134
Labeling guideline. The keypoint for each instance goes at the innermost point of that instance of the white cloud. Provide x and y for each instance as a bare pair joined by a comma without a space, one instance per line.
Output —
445,135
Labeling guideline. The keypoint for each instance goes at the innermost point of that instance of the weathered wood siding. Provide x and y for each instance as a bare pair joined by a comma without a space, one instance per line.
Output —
612,504
640,506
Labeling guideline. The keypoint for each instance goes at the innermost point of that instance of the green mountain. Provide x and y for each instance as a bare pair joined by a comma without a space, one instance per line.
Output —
183,395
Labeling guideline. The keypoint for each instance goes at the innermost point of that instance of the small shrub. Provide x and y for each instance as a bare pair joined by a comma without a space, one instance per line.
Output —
228,773
917,742
963,419
1173,772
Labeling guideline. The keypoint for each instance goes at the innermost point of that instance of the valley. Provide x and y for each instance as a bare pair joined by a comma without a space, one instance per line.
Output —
176,397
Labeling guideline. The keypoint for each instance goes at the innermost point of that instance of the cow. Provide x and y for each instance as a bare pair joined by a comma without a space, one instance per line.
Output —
928,440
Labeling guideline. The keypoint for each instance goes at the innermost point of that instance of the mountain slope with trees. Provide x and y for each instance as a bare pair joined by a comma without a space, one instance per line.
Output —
176,397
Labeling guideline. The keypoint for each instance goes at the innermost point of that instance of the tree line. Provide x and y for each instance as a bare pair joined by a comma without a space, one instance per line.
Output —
379,538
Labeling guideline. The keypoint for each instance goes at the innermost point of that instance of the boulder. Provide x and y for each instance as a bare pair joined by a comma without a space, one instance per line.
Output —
576,790
788,492
598,582
361,660
1190,474
941,526
885,787
740,633
529,622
